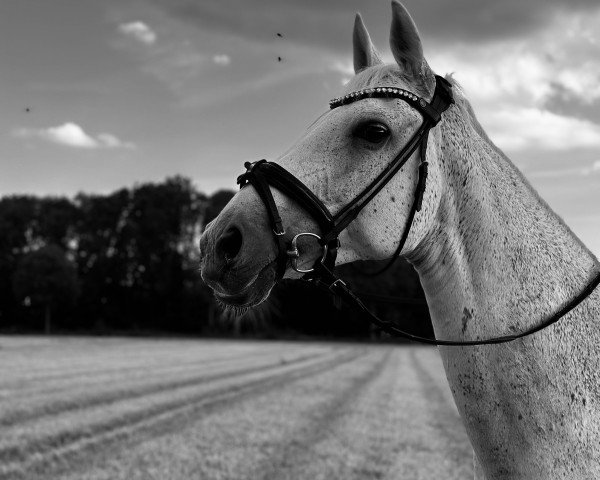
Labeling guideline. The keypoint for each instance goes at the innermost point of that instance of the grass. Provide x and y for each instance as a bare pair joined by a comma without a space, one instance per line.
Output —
73,408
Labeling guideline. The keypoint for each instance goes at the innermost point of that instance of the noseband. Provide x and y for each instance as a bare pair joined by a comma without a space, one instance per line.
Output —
263,174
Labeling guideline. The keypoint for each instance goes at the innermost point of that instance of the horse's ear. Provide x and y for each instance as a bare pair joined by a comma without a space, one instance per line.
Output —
404,39
365,54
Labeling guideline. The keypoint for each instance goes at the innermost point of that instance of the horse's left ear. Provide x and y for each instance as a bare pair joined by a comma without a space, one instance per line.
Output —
404,40
365,54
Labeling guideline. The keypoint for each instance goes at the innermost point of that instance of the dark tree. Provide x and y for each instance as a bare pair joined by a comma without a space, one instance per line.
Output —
17,215
135,252
102,256
45,278
137,256
56,218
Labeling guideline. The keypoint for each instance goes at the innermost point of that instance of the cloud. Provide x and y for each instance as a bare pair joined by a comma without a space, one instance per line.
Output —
500,71
582,82
556,173
72,135
139,31
189,63
530,128
594,168
329,24
222,59
535,94
69,134
108,140
476,20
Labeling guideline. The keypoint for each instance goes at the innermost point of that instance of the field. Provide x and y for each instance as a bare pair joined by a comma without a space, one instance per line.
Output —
81,408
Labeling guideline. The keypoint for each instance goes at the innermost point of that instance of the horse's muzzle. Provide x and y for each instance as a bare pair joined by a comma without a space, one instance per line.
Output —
236,261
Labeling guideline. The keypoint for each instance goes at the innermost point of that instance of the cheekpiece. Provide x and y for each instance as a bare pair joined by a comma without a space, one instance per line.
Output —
378,92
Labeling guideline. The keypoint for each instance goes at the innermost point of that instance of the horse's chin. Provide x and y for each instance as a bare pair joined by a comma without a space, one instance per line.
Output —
256,291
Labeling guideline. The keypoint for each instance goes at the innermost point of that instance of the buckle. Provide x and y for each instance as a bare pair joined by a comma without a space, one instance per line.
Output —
336,283
294,253
243,179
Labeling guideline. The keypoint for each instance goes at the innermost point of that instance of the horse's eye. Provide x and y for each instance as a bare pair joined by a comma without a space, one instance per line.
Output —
372,132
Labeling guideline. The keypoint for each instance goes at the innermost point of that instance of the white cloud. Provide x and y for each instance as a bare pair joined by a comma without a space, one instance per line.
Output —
69,134
108,140
594,168
72,135
222,59
531,128
557,173
196,77
513,84
583,82
345,69
139,31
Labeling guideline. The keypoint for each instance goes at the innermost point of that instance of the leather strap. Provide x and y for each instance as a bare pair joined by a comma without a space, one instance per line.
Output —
256,177
339,288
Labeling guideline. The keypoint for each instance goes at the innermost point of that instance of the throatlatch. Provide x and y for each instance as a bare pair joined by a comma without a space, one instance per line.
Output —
263,174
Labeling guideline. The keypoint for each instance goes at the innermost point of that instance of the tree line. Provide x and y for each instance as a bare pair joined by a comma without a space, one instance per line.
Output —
127,262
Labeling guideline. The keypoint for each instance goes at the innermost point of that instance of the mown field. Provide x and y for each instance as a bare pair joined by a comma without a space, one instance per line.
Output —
83,408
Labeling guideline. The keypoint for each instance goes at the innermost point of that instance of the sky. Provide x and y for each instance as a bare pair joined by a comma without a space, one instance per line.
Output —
98,95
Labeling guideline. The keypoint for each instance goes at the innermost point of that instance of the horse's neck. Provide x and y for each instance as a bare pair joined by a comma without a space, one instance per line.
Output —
496,262
498,259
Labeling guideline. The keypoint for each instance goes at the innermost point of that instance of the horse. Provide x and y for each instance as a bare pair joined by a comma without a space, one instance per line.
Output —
491,255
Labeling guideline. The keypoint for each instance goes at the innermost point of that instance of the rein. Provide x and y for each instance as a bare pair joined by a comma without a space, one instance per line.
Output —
263,175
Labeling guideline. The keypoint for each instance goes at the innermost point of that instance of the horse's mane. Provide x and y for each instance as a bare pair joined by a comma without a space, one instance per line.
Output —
469,114
466,111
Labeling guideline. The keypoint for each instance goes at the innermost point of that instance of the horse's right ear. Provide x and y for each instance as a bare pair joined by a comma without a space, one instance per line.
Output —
365,54
404,39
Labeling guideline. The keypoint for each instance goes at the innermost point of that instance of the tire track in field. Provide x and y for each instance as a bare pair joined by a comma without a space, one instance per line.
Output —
444,416
40,455
20,416
46,384
127,395
59,373
298,449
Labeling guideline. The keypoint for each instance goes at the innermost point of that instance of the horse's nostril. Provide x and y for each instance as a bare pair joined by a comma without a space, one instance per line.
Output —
230,243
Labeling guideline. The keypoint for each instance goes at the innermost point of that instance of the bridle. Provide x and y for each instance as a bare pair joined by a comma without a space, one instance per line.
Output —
263,175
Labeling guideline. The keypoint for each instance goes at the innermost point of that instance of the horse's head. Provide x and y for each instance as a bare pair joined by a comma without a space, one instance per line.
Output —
338,156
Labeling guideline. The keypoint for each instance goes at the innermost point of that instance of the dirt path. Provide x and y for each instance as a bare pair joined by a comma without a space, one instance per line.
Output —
235,411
